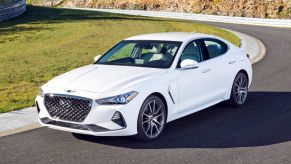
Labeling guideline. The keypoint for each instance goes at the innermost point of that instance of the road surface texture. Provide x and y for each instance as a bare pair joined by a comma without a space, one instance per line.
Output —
259,132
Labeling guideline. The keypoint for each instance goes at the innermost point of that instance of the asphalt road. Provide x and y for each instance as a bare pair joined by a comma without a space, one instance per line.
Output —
259,132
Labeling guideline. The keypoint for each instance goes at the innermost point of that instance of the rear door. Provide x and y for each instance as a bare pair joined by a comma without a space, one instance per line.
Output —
215,64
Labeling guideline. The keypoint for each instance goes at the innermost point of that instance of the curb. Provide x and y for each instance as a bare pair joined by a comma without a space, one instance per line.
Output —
262,53
27,119
251,45
19,130
18,121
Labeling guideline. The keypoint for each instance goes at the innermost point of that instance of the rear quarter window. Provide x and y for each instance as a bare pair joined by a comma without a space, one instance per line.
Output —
215,47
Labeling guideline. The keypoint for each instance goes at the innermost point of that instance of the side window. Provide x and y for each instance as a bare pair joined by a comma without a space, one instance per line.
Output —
215,48
191,51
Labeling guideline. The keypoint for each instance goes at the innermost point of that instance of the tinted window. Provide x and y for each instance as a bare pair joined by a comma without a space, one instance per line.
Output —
156,54
215,47
191,51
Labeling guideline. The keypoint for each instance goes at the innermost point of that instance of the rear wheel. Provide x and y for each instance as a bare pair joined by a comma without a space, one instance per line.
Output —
239,91
151,119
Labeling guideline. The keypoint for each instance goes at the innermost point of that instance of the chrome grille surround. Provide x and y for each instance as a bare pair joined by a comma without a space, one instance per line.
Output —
67,107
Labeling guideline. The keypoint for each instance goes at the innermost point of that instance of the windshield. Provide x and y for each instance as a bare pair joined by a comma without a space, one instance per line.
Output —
156,54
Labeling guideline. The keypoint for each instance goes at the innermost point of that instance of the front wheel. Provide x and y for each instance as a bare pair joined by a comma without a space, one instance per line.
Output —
151,119
239,91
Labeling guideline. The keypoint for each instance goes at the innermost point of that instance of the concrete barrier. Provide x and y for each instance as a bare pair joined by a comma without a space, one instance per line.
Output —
200,17
12,10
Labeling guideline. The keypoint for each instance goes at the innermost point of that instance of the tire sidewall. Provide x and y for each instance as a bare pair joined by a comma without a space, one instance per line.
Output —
140,132
232,96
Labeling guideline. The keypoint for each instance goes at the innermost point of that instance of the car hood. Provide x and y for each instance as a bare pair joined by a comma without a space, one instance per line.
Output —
102,78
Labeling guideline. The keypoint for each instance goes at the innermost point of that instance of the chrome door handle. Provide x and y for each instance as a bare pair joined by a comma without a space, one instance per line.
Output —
232,62
206,70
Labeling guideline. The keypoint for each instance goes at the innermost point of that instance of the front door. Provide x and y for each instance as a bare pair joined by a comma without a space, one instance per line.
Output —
192,83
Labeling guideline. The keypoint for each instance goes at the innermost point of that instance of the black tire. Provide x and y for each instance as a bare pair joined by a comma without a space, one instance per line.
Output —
239,87
150,120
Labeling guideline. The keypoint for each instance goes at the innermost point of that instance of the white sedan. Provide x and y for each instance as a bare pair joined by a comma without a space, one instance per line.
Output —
144,82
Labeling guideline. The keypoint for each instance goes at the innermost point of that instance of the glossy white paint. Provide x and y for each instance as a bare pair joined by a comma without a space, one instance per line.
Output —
189,64
192,89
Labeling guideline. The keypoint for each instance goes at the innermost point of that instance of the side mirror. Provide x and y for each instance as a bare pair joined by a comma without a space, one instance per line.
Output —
97,57
189,64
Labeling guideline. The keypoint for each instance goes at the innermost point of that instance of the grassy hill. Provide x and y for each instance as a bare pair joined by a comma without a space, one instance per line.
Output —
45,42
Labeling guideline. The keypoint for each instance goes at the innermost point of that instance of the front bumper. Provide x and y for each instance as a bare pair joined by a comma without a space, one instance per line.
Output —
99,121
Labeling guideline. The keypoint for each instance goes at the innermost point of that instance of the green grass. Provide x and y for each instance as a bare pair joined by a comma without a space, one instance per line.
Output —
45,42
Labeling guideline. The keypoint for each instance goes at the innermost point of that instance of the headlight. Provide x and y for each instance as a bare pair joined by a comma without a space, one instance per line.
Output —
41,93
119,99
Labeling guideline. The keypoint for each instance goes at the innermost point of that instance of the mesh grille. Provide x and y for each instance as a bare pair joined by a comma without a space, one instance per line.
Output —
67,107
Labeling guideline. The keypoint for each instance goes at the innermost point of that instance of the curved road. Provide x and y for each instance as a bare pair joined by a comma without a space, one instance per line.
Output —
259,132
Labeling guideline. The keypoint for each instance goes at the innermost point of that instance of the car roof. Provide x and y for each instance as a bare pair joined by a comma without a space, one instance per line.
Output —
170,36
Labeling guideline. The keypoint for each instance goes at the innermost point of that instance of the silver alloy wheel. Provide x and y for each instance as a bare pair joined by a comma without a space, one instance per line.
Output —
153,118
241,89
